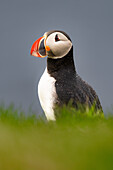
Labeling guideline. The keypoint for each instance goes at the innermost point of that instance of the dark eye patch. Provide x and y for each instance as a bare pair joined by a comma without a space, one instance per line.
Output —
57,38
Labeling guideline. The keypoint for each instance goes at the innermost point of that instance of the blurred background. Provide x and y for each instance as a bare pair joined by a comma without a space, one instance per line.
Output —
89,23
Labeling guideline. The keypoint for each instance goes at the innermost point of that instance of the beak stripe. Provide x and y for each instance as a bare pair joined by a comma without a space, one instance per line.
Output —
41,49
38,48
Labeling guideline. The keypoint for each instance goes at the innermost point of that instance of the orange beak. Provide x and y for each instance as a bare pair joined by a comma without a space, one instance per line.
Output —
38,48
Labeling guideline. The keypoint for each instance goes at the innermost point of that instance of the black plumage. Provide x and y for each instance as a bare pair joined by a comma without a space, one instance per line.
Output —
69,85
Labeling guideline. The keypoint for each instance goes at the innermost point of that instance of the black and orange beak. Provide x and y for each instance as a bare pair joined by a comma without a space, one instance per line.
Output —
39,48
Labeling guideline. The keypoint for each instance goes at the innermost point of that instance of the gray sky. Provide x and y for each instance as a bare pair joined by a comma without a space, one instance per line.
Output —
89,23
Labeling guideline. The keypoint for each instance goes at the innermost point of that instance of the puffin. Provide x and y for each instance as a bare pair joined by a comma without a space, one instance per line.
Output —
60,82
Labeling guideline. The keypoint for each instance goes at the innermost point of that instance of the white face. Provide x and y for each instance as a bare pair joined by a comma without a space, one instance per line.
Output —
59,45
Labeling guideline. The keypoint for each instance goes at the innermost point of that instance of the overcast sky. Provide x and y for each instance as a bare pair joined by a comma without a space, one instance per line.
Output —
89,23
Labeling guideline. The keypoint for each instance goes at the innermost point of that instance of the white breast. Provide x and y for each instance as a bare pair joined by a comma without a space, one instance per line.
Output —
47,94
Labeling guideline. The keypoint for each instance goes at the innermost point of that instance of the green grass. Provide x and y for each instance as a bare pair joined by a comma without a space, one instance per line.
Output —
76,141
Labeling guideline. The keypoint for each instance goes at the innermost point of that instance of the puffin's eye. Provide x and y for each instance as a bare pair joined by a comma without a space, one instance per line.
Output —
57,38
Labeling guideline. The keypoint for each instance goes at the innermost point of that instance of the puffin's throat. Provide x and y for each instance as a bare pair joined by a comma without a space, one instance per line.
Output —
66,63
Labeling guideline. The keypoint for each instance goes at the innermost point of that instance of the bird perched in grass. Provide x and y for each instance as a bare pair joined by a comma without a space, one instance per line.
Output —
60,82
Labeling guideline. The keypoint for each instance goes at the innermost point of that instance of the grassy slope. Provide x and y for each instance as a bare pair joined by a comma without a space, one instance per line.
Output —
74,141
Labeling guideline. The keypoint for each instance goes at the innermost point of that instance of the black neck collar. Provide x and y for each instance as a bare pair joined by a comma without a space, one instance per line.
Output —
66,63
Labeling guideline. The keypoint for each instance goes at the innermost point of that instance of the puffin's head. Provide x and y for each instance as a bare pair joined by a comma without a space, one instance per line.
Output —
54,44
